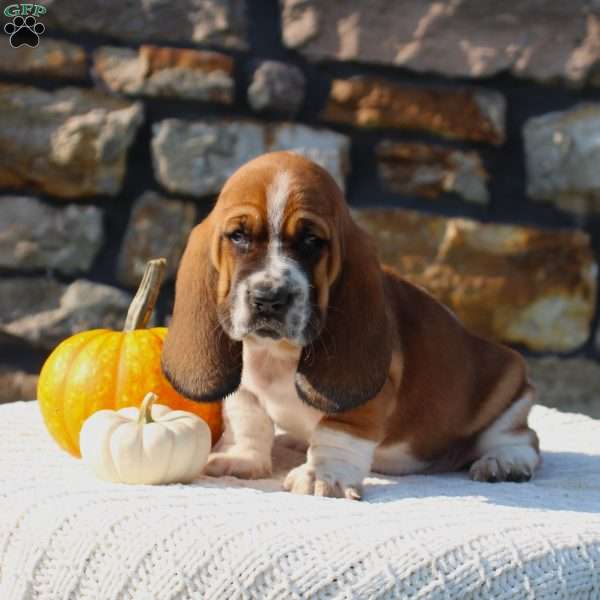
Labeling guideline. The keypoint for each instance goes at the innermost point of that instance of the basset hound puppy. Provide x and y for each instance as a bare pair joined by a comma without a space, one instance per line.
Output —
282,308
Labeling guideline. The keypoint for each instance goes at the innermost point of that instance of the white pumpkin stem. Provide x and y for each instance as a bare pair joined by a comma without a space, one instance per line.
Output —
145,416
142,305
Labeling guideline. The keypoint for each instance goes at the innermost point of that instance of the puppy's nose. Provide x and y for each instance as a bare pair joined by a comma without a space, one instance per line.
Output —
270,301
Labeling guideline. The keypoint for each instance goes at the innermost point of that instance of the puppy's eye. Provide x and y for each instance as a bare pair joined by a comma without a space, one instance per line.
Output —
238,237
311,242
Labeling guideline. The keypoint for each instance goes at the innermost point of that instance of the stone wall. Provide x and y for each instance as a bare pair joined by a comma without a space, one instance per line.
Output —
465,134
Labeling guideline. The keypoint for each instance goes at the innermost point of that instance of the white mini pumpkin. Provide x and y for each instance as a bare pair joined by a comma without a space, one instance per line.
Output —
151,445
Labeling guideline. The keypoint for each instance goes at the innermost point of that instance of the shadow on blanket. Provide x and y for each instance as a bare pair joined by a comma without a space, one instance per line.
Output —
566,481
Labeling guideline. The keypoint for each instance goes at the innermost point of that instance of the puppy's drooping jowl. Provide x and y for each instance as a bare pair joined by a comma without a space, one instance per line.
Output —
282,306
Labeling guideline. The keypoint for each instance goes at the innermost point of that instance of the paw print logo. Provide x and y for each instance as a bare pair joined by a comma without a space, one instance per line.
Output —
24,32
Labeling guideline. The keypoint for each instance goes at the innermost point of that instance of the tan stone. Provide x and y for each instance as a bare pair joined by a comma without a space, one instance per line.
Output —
166,72
16,384
466,113
277,86
562,152
197,157
569,384
69,142
37,235
519,285
52,58
158,227
542,40
213,22
43,312
430,171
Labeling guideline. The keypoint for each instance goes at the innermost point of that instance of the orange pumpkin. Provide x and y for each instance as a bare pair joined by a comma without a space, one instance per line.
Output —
100,368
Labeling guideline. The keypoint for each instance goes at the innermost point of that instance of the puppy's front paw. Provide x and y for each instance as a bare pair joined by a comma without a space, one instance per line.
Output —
245,464
333,482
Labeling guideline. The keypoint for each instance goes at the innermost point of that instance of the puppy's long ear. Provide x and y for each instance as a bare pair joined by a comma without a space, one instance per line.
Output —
198,358
348,364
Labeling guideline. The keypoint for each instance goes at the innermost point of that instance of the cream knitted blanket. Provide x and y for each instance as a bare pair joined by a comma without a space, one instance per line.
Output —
65,535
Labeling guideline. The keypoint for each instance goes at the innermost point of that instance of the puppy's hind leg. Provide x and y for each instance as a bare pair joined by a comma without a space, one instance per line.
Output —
508,450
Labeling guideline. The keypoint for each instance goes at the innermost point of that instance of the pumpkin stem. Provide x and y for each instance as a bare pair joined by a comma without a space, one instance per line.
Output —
142,305
145,416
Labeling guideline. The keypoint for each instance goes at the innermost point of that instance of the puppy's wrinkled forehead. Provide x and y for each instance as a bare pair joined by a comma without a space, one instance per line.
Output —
278,184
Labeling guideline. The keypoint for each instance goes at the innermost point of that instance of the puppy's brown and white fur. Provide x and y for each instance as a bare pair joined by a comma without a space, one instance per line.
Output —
282,306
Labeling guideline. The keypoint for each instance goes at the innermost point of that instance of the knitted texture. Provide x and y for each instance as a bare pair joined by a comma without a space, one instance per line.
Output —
67,536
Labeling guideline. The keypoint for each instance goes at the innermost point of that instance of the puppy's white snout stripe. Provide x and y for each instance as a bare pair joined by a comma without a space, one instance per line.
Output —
278,271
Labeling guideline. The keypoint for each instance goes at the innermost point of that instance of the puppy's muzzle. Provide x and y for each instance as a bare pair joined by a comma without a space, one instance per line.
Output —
269,301
269,306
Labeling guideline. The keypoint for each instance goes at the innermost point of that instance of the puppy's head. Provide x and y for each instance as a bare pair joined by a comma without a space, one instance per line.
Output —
279,258
277,249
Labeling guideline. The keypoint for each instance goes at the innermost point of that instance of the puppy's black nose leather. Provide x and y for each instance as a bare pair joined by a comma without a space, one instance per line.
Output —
269,301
